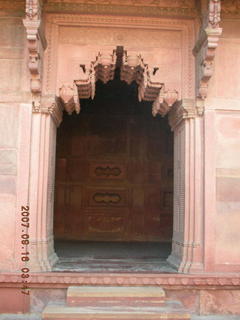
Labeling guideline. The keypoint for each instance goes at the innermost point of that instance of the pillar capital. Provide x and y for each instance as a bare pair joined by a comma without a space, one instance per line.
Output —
49,105
184,109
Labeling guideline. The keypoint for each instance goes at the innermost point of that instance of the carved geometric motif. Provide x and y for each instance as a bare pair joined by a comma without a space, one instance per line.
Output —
106,197
102,224
107,170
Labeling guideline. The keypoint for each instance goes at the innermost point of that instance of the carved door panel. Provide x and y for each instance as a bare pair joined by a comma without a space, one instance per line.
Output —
114,178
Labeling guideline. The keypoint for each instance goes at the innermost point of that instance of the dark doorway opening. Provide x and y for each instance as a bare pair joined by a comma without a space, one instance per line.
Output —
114,184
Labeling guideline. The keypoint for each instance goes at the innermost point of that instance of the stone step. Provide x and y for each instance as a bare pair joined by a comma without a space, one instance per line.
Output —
172,311
115,296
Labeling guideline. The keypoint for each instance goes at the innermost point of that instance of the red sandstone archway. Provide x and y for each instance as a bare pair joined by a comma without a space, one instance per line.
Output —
184,119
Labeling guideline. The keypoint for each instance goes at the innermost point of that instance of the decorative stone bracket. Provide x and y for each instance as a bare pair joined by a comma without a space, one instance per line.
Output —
132,68
206,46
36,43
164,102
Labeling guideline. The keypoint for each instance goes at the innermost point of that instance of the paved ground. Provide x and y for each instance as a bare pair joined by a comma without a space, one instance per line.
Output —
113,257
75,256
38,317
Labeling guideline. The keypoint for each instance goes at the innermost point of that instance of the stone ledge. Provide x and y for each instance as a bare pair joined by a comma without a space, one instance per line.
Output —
64,279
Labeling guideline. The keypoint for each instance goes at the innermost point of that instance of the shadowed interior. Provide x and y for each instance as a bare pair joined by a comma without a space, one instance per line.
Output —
114,177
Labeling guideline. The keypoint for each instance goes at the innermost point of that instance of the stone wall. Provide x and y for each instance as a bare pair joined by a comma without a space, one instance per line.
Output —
224,104
12,77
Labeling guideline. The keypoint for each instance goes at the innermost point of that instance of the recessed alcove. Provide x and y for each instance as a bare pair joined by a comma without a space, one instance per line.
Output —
114,184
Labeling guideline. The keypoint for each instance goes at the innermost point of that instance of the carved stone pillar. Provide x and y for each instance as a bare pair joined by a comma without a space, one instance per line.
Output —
187,243
45,119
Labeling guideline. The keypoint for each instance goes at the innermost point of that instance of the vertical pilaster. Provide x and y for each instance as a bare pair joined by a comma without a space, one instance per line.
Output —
42,170
187,243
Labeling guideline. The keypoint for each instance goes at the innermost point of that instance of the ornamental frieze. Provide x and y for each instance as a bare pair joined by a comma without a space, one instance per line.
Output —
154,3
230,8
155,8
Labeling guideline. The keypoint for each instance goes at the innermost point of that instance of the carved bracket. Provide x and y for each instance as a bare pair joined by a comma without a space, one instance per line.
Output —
166,99
36,43
132,68
206,46
69,97
102,68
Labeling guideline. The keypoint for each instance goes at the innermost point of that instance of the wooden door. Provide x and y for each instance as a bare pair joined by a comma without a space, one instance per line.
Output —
114,176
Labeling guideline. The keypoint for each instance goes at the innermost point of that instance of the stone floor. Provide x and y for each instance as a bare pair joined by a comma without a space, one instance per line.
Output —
112,257
37,316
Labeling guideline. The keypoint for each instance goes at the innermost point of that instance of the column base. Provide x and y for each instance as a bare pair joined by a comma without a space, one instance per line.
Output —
42,257
184,266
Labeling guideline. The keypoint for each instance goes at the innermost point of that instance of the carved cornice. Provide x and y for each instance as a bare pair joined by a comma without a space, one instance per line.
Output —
206,46
52,106
169,280
184,109
184,8
133,67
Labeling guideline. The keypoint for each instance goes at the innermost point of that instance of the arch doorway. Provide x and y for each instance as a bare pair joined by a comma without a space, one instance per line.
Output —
114,184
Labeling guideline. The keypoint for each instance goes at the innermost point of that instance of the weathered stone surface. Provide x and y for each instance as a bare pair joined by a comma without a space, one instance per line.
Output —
39,298
12,300
8,162
115,296
7,232
7,184
220,302
227,190
171,312
11,57
188,297
8,125
228,146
